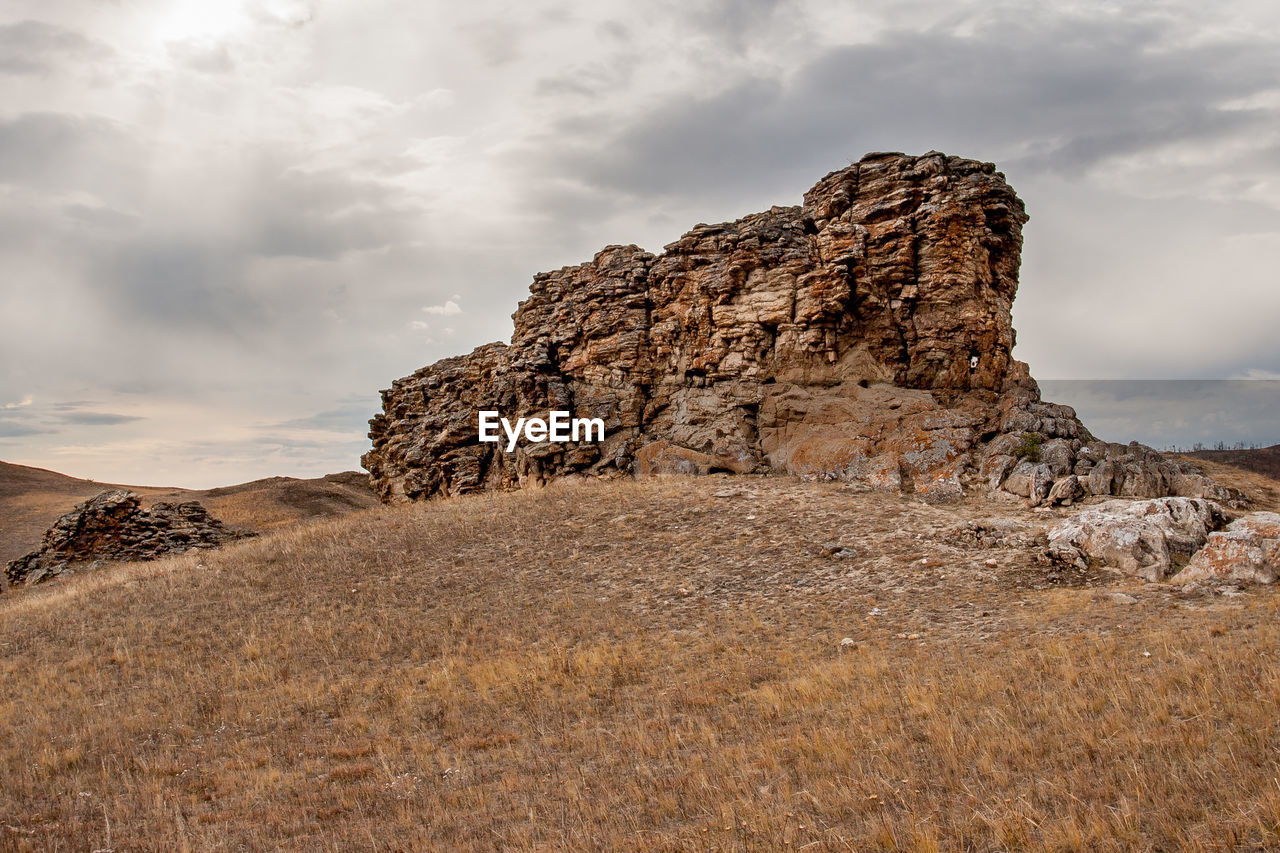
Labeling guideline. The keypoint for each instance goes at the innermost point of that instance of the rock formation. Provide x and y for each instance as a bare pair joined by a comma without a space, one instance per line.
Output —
863,335
1248,551
114,526
1149,538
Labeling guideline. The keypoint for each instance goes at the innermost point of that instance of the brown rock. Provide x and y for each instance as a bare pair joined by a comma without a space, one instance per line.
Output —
863,335
113,526
1065,491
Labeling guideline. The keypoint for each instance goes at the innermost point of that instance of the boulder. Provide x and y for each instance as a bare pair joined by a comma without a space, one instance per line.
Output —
1031,480
1247,550
1147,538
1066,491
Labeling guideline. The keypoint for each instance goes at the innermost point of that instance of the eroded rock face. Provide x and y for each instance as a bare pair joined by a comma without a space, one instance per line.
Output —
863,335
1248,550
113,526
1147,538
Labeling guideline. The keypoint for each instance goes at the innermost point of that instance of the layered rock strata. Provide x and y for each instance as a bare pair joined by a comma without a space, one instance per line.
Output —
865,334
113,526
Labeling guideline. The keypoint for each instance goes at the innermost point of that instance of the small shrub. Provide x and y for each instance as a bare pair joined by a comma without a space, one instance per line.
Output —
1029,447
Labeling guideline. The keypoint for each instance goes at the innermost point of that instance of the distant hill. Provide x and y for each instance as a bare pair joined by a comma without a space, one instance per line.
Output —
1264,460
31,499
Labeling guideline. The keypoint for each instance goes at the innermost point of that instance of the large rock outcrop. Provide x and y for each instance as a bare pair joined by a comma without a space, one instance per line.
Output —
113,526
863,335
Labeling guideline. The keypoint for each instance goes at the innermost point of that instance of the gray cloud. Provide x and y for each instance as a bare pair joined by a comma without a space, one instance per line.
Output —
1179,413
218,270
36,47
97,419
1060,93
61,152
352,416
203,56
176,282
324,214
54,419
732,23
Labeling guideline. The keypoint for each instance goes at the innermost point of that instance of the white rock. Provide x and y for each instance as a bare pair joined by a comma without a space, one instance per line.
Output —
1143,538
1248,550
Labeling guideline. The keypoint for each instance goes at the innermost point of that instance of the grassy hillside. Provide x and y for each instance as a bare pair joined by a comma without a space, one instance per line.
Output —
1260,460
703,664
32,498
1262,489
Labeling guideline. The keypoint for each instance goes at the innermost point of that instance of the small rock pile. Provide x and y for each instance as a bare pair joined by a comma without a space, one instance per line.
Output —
113,526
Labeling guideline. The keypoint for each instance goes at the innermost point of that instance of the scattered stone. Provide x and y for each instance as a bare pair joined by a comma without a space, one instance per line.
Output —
113,526
1123,598
1147,538
993,533
1248,550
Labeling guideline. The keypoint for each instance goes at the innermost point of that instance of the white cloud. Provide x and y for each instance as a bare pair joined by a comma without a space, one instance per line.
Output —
449,309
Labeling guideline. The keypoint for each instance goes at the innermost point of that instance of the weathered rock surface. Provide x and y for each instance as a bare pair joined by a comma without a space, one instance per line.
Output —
113,526
1148,538
1248,550
864,335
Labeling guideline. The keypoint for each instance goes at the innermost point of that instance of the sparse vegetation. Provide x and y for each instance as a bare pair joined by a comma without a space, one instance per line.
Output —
1261,460
1028,447
633,666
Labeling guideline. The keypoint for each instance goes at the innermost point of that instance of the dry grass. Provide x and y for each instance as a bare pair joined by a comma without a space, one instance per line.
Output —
1263,488
634,666
1259,460
31,499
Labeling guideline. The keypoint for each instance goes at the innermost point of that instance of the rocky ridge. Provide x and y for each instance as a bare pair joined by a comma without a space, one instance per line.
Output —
864,335
113,526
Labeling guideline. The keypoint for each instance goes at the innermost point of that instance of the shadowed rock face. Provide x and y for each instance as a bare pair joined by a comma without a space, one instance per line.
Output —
863,335
113,526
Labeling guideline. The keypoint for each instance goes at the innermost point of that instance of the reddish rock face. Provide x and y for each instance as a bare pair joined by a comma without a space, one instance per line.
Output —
865,334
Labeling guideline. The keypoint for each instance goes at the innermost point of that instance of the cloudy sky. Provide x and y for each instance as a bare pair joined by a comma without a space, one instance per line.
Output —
224,226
